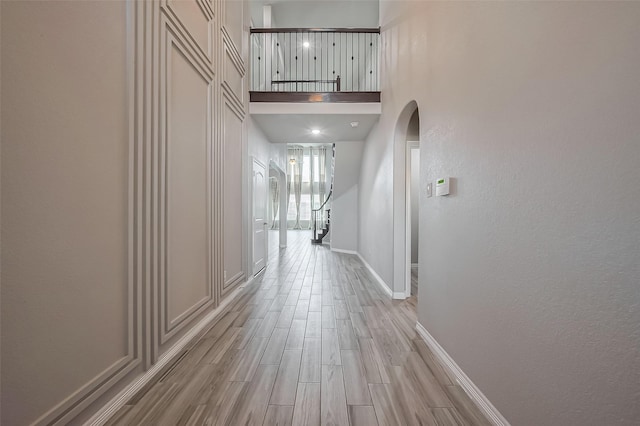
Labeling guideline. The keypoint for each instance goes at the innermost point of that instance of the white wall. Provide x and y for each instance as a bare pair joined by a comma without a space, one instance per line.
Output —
261,147
326,14
530,268
317,14
415,203
375,200
344,207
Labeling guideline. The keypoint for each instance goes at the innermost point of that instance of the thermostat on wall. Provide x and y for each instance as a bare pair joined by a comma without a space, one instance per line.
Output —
442,186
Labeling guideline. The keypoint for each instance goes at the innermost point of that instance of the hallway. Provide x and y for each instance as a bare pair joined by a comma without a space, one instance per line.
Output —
312,341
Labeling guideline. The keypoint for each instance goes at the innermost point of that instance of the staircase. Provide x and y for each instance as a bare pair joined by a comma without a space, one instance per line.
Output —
320,233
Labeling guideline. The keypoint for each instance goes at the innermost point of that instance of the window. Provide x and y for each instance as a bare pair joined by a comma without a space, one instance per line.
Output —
309,191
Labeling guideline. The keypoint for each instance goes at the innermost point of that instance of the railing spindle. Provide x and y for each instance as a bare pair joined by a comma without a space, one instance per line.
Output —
334,60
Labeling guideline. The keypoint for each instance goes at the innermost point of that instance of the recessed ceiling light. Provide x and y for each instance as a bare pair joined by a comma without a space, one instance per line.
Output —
354,124
315,131
305,44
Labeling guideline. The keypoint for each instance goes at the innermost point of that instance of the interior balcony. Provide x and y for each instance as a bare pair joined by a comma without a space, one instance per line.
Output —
306,78
312,65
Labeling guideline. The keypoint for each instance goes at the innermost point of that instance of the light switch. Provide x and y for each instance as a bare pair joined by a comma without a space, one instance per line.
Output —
429,189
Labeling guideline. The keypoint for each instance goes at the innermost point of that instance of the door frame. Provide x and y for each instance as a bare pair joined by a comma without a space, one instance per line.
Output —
282,182
411,145
400,254
254,160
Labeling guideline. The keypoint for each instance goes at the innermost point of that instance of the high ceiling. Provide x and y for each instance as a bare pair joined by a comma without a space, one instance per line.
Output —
292,128
317,13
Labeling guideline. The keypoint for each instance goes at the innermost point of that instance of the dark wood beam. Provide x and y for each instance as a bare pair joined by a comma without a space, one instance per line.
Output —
315,30
315,97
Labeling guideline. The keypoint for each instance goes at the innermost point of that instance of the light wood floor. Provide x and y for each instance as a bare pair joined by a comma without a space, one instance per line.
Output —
312,342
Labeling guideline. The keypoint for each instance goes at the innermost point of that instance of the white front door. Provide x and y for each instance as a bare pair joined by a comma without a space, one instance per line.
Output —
259,216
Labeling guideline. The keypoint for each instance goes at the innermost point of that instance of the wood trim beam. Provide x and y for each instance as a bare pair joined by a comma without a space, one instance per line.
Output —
314,97
315,30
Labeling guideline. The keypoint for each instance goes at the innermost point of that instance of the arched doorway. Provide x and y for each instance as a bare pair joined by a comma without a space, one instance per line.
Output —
277,207
405,201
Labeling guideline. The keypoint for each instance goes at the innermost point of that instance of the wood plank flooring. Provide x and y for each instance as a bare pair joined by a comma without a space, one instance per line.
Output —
312,342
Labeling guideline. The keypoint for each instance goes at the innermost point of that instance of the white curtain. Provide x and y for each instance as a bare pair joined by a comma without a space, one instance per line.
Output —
275,198
318,175
294,179
310,153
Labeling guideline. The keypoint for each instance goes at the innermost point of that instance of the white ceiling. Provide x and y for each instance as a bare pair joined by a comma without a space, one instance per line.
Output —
296,128
318,13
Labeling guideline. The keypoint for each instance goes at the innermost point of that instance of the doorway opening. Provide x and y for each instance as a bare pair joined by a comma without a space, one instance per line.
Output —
406,203
259,217
413,210
276,209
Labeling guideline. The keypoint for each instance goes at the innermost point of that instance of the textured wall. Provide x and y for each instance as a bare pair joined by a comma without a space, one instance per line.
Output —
344,207
325,14
375,200
415,204
529,270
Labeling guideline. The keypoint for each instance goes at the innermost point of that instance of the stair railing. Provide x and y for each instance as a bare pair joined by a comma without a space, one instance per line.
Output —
333,85
318,217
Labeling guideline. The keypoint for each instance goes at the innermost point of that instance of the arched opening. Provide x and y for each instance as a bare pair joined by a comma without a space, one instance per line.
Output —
412,203
277,207
406,202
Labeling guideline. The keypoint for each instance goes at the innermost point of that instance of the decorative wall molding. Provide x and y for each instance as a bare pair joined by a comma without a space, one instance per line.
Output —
117,402
217,176
228,40
172,42
233,75
463,380
232,100
172,13
377,277
235,280
232,145
75,403
81,398
233,52
156,30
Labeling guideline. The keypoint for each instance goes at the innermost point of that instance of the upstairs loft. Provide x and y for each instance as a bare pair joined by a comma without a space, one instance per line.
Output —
313,65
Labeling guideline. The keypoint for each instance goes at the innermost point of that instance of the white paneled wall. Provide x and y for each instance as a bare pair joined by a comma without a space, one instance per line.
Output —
123,130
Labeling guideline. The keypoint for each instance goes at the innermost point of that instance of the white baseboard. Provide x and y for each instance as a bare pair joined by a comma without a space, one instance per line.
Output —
117,402
337,250
377,277
463,380
399,295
